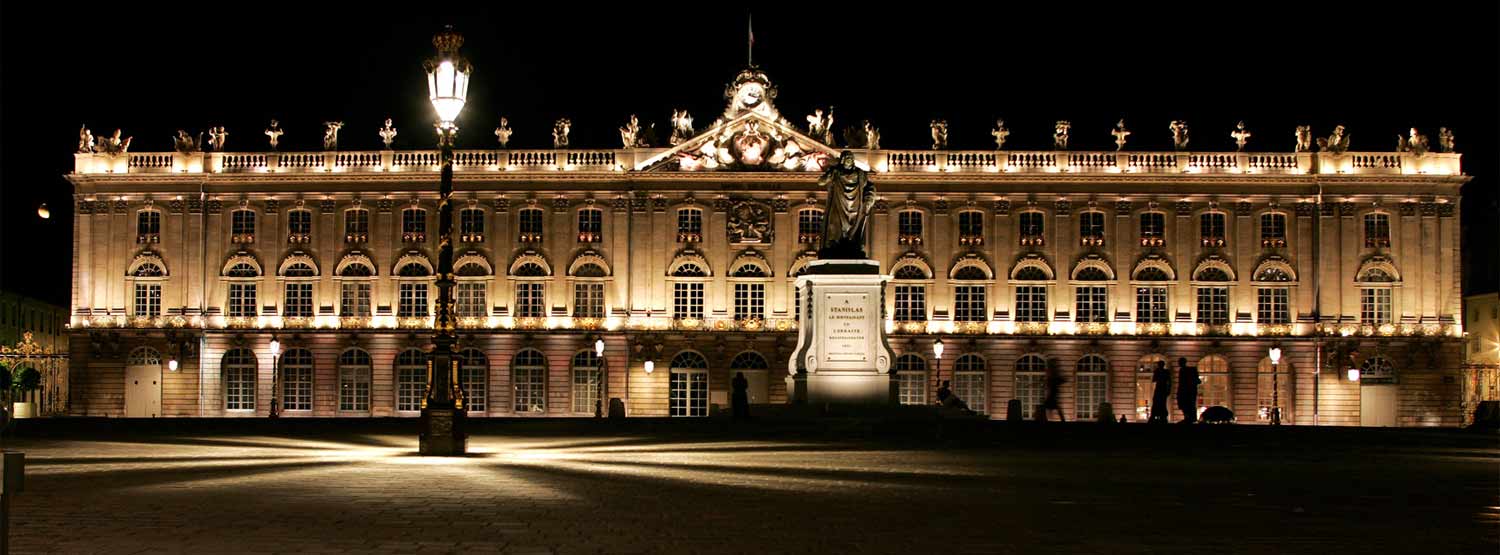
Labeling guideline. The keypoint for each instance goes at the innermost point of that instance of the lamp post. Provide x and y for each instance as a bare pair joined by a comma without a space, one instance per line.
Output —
442,407
937,361
599,376
275,377
1275,386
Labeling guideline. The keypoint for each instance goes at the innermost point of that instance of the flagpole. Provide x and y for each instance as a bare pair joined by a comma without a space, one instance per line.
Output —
750,43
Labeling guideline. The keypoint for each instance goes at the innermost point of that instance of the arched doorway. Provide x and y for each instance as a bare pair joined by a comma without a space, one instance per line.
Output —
756,372
689,385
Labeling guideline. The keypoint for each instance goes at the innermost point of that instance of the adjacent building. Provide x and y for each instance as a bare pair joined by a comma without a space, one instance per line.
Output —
190,265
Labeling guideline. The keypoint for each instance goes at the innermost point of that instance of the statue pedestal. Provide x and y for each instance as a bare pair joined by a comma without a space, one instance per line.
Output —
842,356
442,433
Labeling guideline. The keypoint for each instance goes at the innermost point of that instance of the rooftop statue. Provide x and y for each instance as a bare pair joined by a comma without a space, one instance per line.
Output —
184,142
274,132
1060,135
1336,143
85,140
630,133
872,136
1120,134
939,134
1240,136
217,138
1179,130
682,127
560,132
863,136
820,125
1445,140
503,132
387,134
851,196
112,145
1417,144
1304,138
331,134
1000,133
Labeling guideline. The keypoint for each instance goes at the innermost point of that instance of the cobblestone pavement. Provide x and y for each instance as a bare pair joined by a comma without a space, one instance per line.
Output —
369,493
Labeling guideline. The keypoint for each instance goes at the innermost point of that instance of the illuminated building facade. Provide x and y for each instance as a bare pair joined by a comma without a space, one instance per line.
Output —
684,256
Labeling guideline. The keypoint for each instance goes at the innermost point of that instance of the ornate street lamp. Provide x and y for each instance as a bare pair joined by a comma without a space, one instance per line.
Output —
599,375
275,377
937,363
1275,386
442,408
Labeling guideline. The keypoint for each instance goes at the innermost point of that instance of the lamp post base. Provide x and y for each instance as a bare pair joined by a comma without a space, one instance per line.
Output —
443,433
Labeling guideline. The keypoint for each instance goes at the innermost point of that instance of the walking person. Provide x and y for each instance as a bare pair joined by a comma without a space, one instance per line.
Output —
1055,381
1161,381
1187,391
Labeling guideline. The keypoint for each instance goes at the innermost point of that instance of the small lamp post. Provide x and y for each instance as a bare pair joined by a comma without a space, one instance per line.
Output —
275,377
599,375
937,362
1275,386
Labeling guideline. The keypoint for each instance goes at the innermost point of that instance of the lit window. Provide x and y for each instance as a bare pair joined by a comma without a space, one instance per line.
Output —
241,300
354,381
412,300
1375,305
1031,384
1151,305
239,371
687,300
1091,303
1213,305
529,300
297,380
354,299
1091,388
411,380
588,381
588,299
469,298
969,300
148,299
529,377
1213,386
1031,303
749,301
911,380
1271,305
473,378
970,383
688,389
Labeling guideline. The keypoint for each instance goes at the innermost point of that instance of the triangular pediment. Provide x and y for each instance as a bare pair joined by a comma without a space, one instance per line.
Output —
748,142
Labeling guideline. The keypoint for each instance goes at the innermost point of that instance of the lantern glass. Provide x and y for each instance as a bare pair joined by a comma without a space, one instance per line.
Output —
937,348
1353,374
448,89
172,365
599,347
650,366
275,347
1275,355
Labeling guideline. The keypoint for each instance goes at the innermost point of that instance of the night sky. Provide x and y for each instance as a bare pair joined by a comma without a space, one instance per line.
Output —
154,68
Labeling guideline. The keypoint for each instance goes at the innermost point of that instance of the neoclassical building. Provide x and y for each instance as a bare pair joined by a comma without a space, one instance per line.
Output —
188,265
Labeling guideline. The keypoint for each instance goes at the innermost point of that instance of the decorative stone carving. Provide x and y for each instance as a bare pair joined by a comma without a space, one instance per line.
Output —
659,204
1445,210
1415,144
274,132
174,206
638,203
1408,209
1120,134
619,204
85,140
560,131
1445,140
214,207
940,206
1337,143
387,134
561,204
1304,138
1346,209
1240,136
331,134
503,132
113,145
85,207
195,206
501,205
1242,209
1184,208
750,91
185,143
939,134
1000,133
272,206
217,138
1326,209
1060,134
820,125
327,206
1062,207
1122,208
1304,209
682,127
384,205
1179,130
1002,207
779,205
1429,208
865,136
630,133
749,222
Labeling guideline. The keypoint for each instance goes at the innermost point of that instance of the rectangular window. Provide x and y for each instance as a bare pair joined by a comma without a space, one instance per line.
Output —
1377,230
529,300
1031,390
356,226
414,220
809,226
1213,305
299,303
1273,230
971,227
588,299
299,222
687,300
530,223
1151,305
471,224
296,386
239,386
241,300
354,299
909,227
689,225
354,388
586,385
968,303
148,223
410,383
469,298
688,395
472,379
749,301
1091,304
1211,229
148,299
911,388
911,303
1271,305
1032,224
531,389
590,226
1375,305
1090,394
242,222
1153,229
413,300
1031,303
1091,228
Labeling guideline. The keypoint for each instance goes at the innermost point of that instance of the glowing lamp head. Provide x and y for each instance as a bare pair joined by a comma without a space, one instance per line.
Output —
1275,355
43,212
599,347
650,366
275,347
448,77
937,348
1353,374
172,365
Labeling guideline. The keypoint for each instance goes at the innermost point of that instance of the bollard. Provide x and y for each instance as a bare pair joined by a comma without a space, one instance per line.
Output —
12,481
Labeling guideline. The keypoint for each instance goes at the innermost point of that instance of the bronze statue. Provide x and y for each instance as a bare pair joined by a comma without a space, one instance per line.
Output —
851,195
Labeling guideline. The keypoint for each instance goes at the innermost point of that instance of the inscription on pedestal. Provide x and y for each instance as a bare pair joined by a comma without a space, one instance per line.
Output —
847,338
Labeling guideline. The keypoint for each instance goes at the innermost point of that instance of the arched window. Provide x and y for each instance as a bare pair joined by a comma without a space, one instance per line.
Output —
687,296
243,270
411,379
749,271
911,298
357,269
473,377
590,225
354,381
749,296
1031,273
143,356
354,291
1145,370
413,269
1031,383
1273,389
1377,370
689,269
1151,301
356,225
1213,384
412,293
147,283
970,382
148,269
1091,301
1273,274
590,271
1211,274
298,290
688,395
1092,386
588,382
755,368
414,225
529,376
911,379
748,360
242,289
1212,294
239,373
297,380
588,290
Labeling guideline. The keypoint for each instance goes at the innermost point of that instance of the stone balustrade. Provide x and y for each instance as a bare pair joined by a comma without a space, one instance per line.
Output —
883,161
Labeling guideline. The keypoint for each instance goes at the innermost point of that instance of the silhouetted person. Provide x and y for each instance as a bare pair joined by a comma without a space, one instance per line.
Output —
1161,381
1187,391
943,392
1054,391
947,399
741,398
